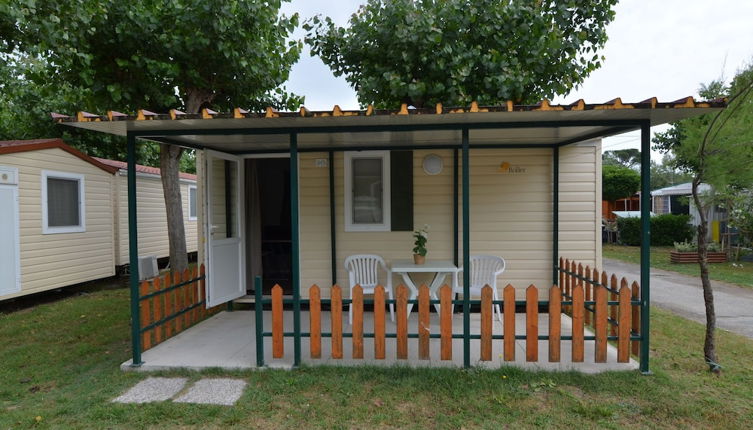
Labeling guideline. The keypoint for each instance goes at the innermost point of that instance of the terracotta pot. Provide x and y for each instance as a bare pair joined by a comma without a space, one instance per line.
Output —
419,259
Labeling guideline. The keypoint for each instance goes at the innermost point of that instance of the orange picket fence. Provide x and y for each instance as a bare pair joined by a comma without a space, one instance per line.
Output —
583,295
172,303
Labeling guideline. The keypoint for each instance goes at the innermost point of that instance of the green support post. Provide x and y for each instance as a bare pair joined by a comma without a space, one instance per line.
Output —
294,236
455,251
466,254
133,252
259,313
555,213
645,243
332,231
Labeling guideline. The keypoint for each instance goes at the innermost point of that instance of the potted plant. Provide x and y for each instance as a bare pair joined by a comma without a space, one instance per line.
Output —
687,252
419,249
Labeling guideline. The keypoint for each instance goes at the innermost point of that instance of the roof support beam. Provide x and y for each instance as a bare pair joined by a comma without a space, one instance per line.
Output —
383,127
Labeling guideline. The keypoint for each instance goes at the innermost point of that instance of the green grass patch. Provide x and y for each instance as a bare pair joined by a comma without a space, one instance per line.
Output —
59,369
735,273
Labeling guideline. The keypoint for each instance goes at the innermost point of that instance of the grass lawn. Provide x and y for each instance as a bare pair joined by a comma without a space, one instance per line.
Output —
59,369
742,274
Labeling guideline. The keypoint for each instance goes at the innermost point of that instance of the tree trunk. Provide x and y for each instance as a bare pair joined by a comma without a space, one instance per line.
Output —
169,161
709,345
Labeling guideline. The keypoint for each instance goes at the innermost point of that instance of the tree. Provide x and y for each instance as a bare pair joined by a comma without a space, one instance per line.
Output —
157,55
457,51
717,150
619,182
630,158
665,174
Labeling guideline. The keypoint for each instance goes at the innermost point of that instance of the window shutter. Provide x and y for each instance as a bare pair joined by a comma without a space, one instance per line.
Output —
401,190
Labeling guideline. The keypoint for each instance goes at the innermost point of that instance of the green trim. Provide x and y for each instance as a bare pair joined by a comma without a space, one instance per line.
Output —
455,225
172,317
170,288
332,224
454,336
133,252
295,277
645,243
555,213
259,314
466,252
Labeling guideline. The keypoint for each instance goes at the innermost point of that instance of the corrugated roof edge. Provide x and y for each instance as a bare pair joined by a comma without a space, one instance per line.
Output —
438,109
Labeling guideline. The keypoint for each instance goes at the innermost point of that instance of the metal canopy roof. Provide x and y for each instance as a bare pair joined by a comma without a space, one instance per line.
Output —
508,125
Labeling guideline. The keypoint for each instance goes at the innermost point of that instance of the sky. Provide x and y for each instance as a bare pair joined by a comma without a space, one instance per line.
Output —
656,48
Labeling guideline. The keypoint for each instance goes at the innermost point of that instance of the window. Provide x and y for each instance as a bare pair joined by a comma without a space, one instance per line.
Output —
63,209
367,191
192,202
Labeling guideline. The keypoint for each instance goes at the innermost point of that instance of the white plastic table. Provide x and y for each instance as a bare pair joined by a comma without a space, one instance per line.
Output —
440,268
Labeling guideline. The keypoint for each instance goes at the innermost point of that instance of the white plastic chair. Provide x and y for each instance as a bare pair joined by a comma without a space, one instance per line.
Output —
484,271
363,270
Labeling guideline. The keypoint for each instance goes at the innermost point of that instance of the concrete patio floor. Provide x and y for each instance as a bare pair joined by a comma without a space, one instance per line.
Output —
226,341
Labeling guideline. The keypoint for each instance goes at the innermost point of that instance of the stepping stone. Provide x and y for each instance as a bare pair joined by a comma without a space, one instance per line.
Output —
216,391
153,390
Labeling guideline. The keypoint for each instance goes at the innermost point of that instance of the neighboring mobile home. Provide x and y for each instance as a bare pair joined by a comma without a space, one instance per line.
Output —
64,216
152,226
678,200
56,217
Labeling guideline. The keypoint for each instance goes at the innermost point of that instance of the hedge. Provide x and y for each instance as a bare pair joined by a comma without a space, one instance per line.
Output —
665,230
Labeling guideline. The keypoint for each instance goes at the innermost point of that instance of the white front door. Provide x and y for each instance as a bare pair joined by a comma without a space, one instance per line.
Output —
226,271
10,271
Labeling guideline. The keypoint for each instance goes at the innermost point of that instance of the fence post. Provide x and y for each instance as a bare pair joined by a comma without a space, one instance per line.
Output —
259,313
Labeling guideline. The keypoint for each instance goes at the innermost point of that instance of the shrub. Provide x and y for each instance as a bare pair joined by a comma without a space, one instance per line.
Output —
665,230
668,229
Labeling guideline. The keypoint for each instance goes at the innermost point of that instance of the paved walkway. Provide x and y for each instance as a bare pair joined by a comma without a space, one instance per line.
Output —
683,295
208,391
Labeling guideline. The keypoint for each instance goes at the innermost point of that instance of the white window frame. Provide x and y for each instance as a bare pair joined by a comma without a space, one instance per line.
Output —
196,216
386,197
81,227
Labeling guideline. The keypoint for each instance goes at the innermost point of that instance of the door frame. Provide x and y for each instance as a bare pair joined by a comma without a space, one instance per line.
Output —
240,222
17,222
262,156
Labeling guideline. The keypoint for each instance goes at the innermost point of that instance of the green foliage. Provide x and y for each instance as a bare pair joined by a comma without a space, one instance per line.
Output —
420,238
630,158
109,55
718,149
666,230
739,206
665,174
688,246
619,182
455,51
162,54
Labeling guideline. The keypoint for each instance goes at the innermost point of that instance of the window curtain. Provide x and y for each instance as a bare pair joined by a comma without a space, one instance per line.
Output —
253,224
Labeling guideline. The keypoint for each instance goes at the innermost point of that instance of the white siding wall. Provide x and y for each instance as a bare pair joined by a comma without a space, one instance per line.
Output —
511,213
152,219
51,261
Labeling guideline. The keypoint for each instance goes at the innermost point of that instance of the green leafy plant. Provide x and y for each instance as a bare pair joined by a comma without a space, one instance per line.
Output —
420,237
688,246
665,230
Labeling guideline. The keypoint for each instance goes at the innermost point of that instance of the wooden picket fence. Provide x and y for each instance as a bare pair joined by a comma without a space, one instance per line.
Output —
573,275
170,304
575,302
